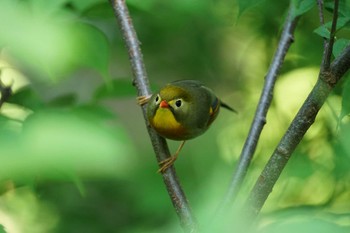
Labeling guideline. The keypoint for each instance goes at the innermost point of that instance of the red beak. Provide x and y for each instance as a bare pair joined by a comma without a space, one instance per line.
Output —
164,104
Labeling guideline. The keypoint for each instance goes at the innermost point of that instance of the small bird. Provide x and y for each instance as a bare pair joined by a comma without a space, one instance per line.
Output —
182,110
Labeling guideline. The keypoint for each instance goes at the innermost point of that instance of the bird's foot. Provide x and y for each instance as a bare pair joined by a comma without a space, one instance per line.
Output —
141,100
166,163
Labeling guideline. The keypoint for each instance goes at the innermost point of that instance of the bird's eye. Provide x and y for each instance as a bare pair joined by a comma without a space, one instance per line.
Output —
178,103
157,98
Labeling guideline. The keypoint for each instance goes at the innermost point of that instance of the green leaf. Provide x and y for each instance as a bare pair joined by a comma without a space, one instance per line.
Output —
345,105
2,230
290,223
99,11
144,5
94,112
44,42
59,145
26,97
339,46
344,9
341,23
86,4
116,88
49,7
243,5
91,48
64,100
300,7
52,45
323,32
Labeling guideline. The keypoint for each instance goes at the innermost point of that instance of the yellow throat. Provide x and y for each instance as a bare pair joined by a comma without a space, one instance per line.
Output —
166,124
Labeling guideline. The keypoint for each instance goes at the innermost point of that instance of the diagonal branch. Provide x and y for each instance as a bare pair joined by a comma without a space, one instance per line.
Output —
261,111
160,146
299,126
328,78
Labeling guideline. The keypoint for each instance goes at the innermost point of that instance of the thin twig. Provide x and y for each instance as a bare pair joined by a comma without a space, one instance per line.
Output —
320,11
329,45
160,146
321,16
261,111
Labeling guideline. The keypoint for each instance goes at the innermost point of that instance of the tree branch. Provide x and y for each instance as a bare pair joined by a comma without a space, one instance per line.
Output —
261,111
299,126
320,11
328,77
160,146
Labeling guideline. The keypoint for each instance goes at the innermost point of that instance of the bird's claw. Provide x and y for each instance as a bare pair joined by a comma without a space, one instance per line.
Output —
166,163
141,100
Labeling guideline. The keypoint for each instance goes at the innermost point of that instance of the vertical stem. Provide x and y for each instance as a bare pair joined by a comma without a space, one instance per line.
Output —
261,111
160,146
329,45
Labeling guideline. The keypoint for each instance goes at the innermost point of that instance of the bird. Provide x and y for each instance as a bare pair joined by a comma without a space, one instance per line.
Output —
182,110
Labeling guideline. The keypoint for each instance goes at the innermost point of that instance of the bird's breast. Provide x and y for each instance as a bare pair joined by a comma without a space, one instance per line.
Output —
166,125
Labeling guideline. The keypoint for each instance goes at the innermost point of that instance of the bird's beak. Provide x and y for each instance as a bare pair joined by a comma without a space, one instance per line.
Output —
164,104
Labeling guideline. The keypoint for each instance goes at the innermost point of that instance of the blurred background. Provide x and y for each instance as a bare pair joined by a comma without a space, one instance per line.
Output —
74,152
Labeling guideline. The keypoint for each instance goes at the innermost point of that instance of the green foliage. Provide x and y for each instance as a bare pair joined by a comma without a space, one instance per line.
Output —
26,97
54,43
305,225
244,5
344,8
345,104
301,7
115,89
324,30
339,46
55,144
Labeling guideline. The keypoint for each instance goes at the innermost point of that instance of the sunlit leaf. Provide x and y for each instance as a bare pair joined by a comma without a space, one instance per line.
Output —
22,210
304,224
302,6
51,45
41,42
116,88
